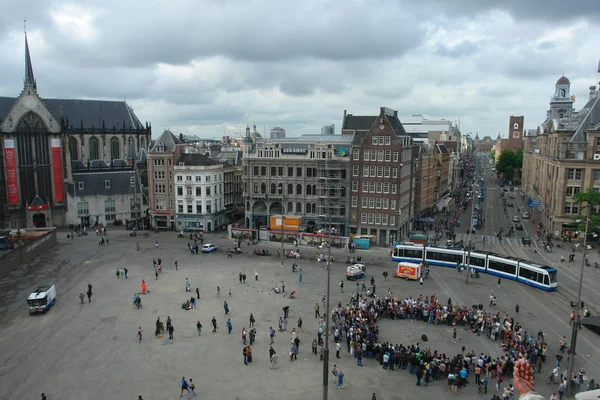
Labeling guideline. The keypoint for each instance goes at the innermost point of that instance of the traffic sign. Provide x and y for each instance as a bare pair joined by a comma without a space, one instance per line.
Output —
534,203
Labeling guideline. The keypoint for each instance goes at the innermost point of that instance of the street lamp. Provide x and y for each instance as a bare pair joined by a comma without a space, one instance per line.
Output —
135,207
470,234
282,216
326,352
578,307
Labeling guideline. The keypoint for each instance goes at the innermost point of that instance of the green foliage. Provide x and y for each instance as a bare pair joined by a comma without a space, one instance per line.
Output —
590,198
508,161
493,155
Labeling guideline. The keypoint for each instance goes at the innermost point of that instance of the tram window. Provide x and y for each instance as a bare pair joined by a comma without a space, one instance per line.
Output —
546,282
526,273
552,276
396,251
478,262
413,253
502,267
540,277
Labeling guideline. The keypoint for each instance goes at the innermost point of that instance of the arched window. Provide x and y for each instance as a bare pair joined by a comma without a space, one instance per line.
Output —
143,142
290,189
263,188
308,208
255,187
298,207
298,189
273,188
308,190
115,148
314,190
94,149
289,208
73,148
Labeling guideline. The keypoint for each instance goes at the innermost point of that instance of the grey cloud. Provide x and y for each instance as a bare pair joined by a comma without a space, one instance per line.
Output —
464,48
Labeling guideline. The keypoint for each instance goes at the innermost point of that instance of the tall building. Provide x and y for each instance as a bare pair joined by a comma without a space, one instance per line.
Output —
276,133
562,159
39,139
161,198
328,129
305,177
515,133
382,181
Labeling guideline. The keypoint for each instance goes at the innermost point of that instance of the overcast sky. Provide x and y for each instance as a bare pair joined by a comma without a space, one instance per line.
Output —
201,67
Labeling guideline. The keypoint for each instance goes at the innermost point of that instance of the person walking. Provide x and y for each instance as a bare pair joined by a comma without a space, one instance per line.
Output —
139,334
226,307
245,356
286,311
192,387
300,276
199,328
198,293
342,286
214,324
89,293
338,347
499,282
517,310
184,386
421,281
317,314
229,326
300,325
156,274
81,297
272,335
255,274
274,359
252,320
125,270
171,329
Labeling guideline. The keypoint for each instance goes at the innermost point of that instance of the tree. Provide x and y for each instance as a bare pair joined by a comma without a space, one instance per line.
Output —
493,155
591,198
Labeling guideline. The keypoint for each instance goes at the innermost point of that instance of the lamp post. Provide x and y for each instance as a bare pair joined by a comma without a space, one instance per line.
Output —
326,352
135,208
282,218
570,390
470,235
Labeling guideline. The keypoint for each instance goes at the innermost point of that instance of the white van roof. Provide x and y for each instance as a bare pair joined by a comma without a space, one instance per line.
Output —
589,395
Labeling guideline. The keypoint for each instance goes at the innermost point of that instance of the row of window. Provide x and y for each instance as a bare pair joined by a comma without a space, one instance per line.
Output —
216,190
375,155
375,171
377,219
189,207
207,178
83,207
313,154
275,172
311,190
375,187
161,161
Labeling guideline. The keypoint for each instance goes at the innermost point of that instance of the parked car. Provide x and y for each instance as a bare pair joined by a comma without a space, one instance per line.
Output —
525,215
516,218
526,240
519,227
209,248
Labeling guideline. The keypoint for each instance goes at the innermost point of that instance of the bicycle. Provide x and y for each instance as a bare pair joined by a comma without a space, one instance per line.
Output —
550,379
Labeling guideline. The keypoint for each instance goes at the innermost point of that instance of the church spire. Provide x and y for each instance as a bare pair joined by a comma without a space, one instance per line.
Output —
29,78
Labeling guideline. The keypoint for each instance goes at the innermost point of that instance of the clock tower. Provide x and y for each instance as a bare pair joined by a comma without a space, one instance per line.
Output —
515,133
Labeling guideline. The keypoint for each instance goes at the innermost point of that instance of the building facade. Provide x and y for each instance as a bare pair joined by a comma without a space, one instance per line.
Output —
562,159
276,133
201,198
305,177
102,194
39,139
161,195
382,185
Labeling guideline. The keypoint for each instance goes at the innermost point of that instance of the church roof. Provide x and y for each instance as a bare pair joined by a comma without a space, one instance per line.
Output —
167,142
29,77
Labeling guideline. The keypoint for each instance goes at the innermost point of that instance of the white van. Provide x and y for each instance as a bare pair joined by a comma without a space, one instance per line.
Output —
42,299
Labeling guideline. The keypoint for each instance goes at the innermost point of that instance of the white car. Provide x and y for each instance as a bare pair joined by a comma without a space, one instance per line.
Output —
516,219
525,215
209,248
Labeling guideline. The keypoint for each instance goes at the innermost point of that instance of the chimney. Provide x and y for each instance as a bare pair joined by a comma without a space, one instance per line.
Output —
396,113
593,92
344,114
381,110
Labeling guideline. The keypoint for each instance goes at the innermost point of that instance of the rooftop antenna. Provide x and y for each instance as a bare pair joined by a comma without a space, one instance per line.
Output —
25,26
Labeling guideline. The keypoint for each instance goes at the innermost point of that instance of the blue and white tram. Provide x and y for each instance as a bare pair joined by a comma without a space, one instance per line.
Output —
532,274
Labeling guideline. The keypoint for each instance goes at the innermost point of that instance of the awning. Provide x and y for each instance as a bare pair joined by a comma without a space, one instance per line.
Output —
428,220
443,203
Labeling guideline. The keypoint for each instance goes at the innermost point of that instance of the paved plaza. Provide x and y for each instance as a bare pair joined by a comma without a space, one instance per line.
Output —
91,351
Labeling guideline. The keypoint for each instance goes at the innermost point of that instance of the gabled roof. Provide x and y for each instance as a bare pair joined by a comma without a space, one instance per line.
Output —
166,143
396,125
358,123
94,183
197,159
86,113
586,117
37,201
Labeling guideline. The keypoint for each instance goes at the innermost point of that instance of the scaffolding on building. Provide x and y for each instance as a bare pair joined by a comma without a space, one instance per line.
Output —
333,207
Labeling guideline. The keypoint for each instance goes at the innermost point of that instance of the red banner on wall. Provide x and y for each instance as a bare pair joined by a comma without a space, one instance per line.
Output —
59,194
11,172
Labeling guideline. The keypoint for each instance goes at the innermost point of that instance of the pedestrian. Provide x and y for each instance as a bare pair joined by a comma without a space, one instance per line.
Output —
300,325
125,270
255,274
89,293
230,291
454,332
499,282
192,387
286,311
274,359
340,382
271,335
156,245
156,274
214,324
199,328
517,310
81,296
421,281
184,385
314,346
229,326
293,352
338,347
118,273
240,277
218,291
374,397
187,285
252,320
342,286
300,277
171,329
317,314
139,333
245,356
176,266
44,396
244,277
226,307
198,293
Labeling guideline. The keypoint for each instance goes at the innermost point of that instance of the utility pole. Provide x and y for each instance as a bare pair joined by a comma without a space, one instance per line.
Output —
135,209
570,390
328,317
282,220
470,235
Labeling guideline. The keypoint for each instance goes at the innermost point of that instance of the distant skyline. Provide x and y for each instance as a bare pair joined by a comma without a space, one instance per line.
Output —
210,68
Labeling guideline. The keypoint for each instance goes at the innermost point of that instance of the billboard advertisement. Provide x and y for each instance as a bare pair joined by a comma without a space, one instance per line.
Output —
59,193
11,172
289,223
